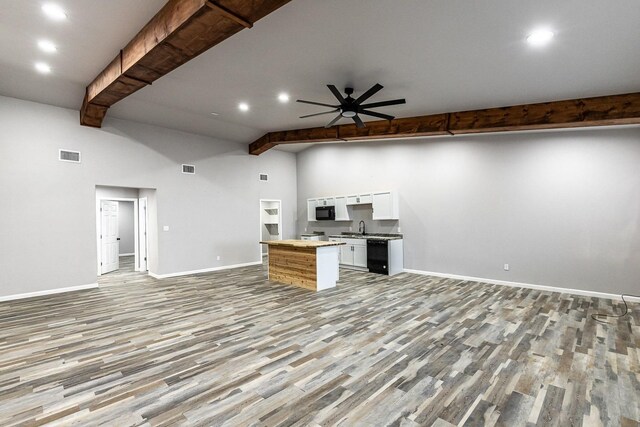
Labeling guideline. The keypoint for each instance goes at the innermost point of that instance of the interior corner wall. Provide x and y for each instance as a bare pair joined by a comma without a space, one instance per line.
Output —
562,208
48,214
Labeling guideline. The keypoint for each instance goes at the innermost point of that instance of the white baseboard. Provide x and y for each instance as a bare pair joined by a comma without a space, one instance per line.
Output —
204,270
524,285
127,254
48,292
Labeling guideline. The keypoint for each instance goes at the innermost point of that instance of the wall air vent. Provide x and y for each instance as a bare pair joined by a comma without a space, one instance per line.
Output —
69,156
264,177
190,169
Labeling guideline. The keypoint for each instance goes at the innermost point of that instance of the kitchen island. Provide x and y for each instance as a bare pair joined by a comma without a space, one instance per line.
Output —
305,263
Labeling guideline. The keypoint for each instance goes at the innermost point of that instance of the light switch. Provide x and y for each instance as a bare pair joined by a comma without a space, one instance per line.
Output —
165,228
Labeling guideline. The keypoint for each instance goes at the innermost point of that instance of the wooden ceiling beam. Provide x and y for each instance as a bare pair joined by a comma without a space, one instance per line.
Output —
180,31
583,112
398,128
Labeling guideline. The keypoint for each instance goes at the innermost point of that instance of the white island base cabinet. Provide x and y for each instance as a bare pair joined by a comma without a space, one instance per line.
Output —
327,270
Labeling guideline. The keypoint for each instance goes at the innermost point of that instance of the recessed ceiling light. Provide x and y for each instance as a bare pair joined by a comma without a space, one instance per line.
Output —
283,97
213,113
243,106
43,68
540,37
47,46
54,11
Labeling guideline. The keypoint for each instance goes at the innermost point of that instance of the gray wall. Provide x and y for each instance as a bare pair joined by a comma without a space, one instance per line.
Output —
562,208
48,215
126,232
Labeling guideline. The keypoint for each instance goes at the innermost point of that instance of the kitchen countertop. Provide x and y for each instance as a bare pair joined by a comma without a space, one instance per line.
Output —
372,236
301,243
321,234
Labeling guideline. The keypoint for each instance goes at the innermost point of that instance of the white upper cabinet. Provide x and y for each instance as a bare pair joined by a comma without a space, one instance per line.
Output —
359,199
311,209
385,205
365,199
342,213
326,201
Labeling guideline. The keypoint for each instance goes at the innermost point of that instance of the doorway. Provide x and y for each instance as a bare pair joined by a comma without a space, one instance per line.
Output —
122,230
270,222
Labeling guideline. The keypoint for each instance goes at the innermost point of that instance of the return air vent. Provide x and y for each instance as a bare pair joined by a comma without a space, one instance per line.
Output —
264,177
190,169
69,156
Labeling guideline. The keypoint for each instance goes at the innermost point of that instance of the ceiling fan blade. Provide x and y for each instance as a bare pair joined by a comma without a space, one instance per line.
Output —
319,114
368,94
359,122
384,103
334,90
332,122
374,114
317,103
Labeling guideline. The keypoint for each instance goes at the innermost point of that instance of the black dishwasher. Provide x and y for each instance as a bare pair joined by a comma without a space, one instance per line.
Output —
378,256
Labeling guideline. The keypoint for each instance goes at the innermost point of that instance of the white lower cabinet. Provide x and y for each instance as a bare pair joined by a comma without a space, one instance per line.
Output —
354,253
346,255
360,255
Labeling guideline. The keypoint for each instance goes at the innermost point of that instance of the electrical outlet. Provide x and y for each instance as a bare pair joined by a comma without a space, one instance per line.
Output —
305,229
165,228
350,228
506,267
218,258
399,229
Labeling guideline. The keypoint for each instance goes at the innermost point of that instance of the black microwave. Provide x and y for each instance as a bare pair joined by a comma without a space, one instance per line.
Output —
325,213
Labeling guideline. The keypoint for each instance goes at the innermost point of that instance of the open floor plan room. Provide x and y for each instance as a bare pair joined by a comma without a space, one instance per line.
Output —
320,213
231,348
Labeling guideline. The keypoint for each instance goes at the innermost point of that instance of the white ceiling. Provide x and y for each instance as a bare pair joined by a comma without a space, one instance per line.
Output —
441,55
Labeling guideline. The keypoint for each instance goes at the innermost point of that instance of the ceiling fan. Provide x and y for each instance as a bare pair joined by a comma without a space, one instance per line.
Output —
351,108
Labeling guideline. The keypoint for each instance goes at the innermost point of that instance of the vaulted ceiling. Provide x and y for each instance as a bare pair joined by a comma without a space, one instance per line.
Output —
441,55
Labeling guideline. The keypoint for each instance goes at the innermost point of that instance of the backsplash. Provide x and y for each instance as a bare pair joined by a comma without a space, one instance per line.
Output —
358,213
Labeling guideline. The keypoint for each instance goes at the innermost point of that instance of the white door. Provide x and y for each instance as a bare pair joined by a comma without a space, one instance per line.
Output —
142,234
109,240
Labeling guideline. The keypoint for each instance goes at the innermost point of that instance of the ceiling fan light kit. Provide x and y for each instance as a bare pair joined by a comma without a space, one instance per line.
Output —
350,108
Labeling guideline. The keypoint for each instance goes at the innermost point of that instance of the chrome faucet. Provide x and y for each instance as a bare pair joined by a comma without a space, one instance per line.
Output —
361,227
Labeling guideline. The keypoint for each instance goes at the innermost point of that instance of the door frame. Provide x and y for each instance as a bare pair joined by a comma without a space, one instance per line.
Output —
146,236
260,222
99,228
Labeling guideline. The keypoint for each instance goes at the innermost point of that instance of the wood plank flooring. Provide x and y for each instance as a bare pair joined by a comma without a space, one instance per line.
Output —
230,348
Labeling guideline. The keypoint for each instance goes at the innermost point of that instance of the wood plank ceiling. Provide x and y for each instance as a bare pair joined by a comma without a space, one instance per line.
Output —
598,111
180,31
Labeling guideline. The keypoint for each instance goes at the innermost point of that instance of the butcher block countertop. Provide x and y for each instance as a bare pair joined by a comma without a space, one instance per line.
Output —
302,243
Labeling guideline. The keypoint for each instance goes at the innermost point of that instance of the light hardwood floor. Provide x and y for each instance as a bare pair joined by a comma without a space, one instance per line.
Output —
230,348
